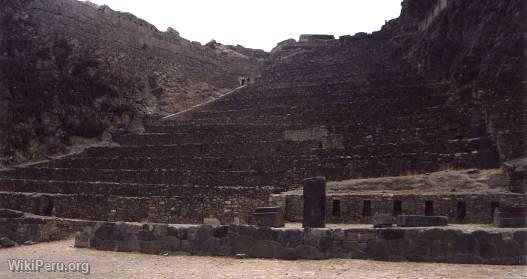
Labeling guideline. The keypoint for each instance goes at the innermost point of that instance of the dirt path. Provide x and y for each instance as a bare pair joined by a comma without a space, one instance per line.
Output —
129,265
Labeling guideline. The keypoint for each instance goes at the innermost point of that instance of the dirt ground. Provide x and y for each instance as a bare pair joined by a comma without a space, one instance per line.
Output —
105,264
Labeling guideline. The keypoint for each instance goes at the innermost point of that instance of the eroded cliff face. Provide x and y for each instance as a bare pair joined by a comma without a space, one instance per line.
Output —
73,72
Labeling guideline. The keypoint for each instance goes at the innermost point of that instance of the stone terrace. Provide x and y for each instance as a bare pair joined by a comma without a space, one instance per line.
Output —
365,106
226,158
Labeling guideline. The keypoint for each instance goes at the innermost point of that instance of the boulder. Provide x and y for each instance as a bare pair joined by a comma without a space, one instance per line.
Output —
6,242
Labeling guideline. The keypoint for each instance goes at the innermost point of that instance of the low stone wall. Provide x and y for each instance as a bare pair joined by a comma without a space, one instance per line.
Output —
191,206
460,208
23,228
450,244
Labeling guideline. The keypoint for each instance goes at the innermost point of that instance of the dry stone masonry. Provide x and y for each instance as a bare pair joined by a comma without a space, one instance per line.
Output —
420,121
453,245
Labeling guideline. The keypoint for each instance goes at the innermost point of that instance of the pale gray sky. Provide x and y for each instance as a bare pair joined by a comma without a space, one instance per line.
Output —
260,24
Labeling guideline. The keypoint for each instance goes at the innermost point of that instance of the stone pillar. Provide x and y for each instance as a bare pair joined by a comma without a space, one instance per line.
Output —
314,202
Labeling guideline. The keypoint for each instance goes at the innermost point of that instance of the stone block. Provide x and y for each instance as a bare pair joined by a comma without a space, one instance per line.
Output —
520,236
6,242
266,249
350,245
102,244
242,244
377,249
221,231
391,234
364,237
292,238
82,240
106,231
265,233
307,252
202,234
383,220
338,234
269,217
510,217
128,245
318,232
247,230
160,229
421,221
150,247
351,235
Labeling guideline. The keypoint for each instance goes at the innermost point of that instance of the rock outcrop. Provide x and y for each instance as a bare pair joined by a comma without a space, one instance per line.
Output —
73,69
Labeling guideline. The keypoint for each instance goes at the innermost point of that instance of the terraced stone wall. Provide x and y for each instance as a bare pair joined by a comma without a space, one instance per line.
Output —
190,205
460,208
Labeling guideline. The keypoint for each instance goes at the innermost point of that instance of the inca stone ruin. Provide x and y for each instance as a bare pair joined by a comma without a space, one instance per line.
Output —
138,140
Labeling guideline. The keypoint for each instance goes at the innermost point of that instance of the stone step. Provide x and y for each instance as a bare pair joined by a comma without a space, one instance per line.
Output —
360,89
351,165
273,104
442,120
159,176
277,163
117,189
260,149
424,143
182,138
176,127
424,116
392,105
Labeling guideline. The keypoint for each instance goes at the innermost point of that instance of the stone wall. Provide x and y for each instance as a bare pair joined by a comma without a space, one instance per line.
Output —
452,245
190,205
463,208
474,48
19,228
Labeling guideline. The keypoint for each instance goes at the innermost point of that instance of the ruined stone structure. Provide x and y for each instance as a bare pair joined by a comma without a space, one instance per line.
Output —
438,92
453,245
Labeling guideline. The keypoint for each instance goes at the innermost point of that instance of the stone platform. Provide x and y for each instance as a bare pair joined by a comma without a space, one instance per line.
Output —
469,243
472,244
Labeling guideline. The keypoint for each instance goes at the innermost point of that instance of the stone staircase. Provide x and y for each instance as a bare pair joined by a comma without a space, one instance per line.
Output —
223,159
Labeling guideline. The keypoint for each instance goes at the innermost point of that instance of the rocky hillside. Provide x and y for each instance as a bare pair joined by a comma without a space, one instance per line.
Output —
73,72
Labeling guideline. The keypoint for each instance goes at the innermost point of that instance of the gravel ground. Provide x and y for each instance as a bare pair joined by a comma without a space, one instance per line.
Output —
105,264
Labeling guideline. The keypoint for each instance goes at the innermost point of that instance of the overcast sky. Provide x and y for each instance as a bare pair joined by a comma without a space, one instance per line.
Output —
260,24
